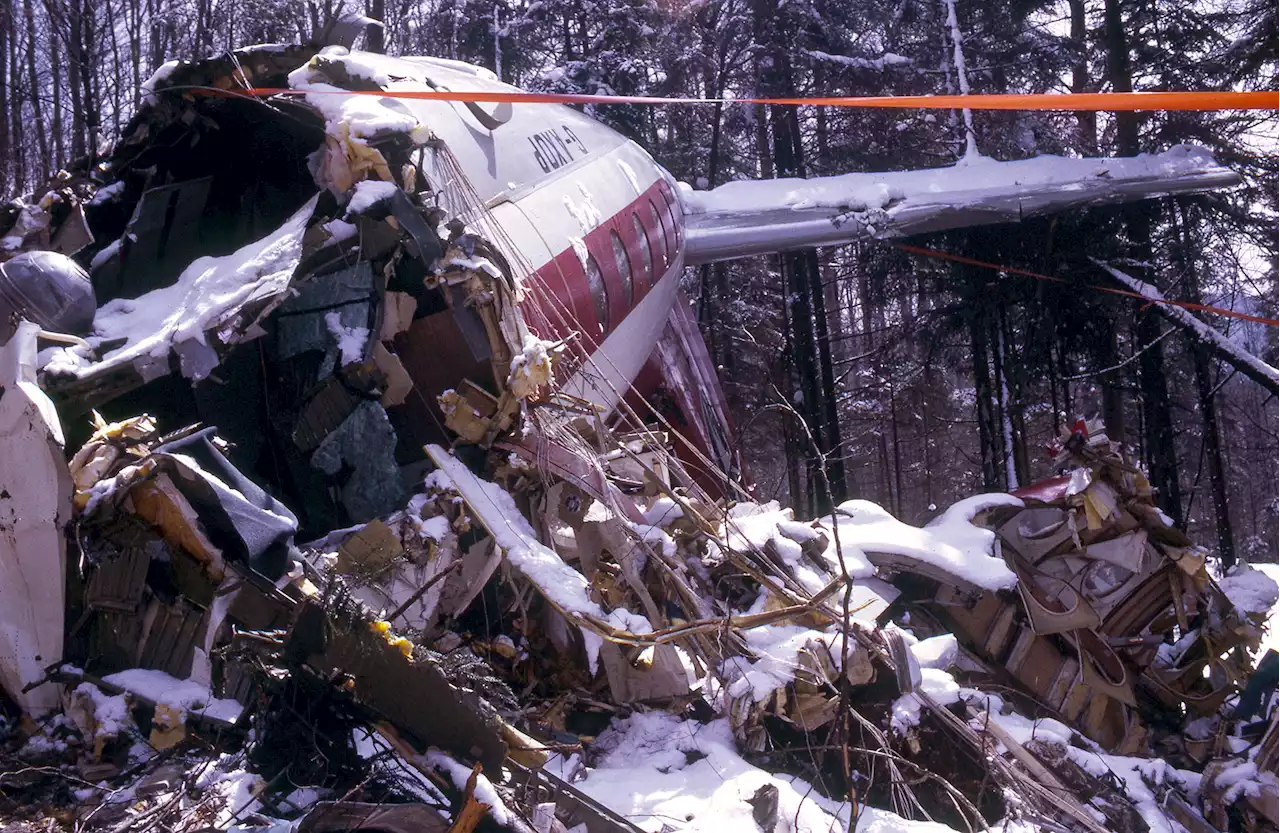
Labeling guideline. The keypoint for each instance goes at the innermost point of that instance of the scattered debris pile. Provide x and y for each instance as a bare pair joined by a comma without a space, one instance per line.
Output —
370,567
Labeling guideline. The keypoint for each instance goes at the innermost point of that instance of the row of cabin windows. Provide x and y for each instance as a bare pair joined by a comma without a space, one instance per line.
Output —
661,221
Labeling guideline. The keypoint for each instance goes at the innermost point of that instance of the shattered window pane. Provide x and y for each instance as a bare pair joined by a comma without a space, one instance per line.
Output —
599,296
624,266
646,256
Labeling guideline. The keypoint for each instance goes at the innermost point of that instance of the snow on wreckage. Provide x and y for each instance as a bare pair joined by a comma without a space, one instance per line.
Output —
550,625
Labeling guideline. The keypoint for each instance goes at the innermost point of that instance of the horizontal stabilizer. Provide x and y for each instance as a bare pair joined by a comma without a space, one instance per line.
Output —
740,219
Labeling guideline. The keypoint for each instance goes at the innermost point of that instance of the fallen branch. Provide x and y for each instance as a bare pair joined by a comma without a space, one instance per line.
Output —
1239,358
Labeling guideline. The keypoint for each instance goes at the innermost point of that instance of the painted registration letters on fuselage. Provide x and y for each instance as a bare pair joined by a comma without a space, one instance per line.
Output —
554,149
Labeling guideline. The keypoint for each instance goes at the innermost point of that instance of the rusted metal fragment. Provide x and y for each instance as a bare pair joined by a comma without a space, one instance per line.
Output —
323,413
369,550
398,383
74,233
116,584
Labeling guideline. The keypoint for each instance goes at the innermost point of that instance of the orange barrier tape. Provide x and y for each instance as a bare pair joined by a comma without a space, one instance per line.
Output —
1228,100
1230,313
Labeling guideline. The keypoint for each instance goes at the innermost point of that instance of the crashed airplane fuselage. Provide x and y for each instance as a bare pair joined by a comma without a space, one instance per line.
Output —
337,280
581,235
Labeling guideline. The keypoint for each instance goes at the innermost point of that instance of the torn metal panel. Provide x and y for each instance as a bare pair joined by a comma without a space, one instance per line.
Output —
216,301
214,512
243,520
74,234
425,244
159,239
35,507
325,292
314,331
323,413
397,687
584,473
1102,582
370,550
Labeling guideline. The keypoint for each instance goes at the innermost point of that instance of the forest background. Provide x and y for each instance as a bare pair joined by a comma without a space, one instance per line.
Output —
918,380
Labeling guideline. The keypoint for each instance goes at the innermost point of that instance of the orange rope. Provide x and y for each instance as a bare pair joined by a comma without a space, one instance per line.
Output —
1230,313
1200,100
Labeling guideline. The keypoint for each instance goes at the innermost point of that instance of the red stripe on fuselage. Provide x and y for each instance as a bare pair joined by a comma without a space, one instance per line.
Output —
564,305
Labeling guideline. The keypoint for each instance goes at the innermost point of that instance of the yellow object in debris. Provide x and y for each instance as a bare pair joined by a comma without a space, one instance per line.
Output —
345,161
159,502
383,628
98,456
167,727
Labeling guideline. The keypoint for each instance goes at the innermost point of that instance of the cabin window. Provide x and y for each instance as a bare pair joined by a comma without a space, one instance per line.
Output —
646,255
624,267
661,226
669,203
599,295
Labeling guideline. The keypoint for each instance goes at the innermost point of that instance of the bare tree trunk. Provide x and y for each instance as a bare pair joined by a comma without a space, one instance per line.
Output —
6,145
92,102
975,313
118,74
375,39
1120,75
1157,420
202,23
795,449
1086,120
42,136
134,27
157,42
55,84
1202,363
72,38
898,499
832,444
18,148
1113,413
1214,451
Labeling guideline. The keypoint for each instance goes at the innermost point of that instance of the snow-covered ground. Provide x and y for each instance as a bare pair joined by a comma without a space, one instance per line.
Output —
662,772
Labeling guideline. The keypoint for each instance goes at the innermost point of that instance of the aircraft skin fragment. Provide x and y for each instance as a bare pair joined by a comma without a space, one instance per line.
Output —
35,505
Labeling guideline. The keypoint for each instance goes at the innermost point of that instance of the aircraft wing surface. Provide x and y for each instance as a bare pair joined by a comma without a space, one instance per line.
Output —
745,218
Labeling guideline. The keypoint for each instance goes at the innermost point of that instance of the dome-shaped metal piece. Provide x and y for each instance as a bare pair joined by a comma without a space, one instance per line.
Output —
48,288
